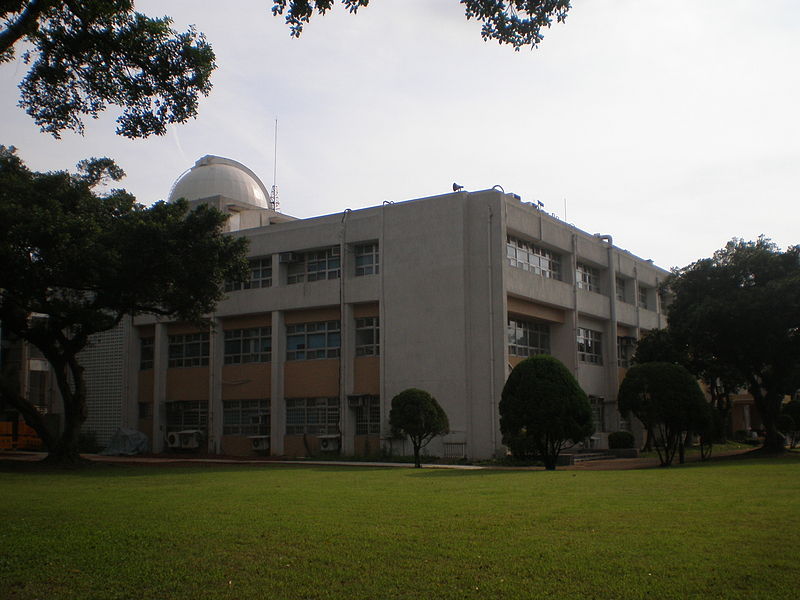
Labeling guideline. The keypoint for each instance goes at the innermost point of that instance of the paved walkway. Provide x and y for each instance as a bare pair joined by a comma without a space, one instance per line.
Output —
617,464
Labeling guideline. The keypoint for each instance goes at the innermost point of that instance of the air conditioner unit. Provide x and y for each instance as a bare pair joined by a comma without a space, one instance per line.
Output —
288,257
260,443
329,443
173,440
190,438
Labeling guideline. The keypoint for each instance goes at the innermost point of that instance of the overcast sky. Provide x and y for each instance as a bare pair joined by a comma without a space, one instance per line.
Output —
671,124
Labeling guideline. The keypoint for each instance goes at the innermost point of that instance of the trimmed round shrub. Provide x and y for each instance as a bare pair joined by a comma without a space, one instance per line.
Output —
620,439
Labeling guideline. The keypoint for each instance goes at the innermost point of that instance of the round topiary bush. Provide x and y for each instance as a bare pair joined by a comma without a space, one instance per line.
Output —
620,439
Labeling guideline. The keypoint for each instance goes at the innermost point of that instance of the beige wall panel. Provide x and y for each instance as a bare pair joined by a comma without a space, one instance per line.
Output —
330,313
237,445
367,445
146,385
247,321
294,446
183,328
311,378
515,360
246,382
367,375
187,384
524,308
365,310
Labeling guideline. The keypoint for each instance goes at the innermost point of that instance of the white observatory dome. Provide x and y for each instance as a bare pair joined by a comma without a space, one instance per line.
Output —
216,176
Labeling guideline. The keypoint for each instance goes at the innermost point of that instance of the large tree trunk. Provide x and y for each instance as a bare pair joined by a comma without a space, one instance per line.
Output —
769,405
71,384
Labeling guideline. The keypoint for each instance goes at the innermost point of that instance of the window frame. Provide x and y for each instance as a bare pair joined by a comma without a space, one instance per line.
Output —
371,325
315,265
312,416
184,341
238,415
587,277
254,337
521,330
260,275
332,330
590,346
362,252
546,263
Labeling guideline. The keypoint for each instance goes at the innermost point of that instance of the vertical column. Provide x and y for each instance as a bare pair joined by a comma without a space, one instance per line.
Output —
277,400
160,361
346,358
216,352
612,368
130,369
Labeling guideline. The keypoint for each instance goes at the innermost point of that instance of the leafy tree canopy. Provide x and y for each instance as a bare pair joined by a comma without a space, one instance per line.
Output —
515,22
740,311
418,415
84,261
668,400
542,409
87,54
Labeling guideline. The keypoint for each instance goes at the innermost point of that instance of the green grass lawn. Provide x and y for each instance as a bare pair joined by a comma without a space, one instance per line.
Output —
718,530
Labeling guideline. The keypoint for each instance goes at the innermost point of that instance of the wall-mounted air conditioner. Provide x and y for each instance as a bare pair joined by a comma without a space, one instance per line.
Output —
173,440
260,443
190,438
329,443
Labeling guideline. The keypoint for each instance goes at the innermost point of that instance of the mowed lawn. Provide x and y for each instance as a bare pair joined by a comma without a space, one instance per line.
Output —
721,530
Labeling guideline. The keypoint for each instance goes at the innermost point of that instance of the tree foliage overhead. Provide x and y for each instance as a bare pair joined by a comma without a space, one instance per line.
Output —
85,55
515,22
666,398
542,409
84,261
418,415
740,311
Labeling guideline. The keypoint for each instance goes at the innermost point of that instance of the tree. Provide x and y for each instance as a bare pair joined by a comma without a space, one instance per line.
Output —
417,414
543,409
790,417
668,400
85,55
515,22
740,311
84,261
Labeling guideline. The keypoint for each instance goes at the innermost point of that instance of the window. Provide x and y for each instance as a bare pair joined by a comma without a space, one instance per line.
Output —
367,259
315,265
626,347
189,350
146,353
245,417
526,256
308,341
590,347
598,412
642,296
368,416
315,416
587,278
188,414
620,285
248,345
367,336
260,275
527,338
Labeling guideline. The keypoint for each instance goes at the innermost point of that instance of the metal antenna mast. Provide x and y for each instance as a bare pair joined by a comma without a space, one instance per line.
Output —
274,194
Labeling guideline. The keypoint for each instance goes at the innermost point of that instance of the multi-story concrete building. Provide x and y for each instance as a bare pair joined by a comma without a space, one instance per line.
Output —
343,311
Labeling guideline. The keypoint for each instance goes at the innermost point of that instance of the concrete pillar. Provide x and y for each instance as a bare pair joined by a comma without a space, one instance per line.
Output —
160,362
277,401
216,354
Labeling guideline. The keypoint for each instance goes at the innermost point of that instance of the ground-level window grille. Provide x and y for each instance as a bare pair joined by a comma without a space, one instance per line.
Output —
245,417
314,416
368,416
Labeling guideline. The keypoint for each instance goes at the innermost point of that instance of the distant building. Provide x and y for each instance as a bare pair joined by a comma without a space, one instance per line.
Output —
344,311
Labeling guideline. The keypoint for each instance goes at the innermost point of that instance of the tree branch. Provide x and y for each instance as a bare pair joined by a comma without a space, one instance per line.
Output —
23,25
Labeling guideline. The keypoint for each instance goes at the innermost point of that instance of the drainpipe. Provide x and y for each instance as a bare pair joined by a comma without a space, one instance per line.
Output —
612,369
490,273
